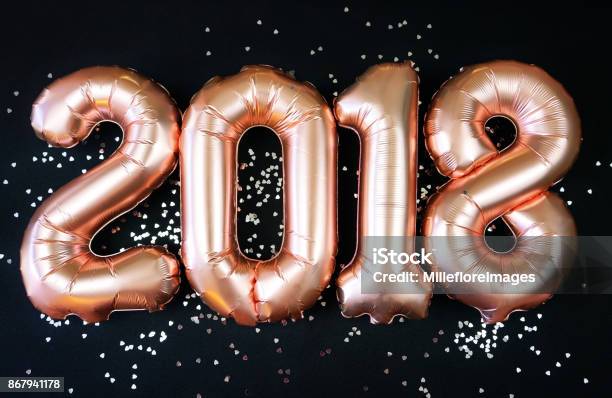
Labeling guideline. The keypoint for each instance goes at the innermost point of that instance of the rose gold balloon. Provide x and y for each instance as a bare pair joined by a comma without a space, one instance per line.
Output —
382,108
512,184
62,275
256,291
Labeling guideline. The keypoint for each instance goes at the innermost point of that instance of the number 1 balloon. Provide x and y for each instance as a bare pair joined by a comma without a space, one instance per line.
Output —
382,108
62,275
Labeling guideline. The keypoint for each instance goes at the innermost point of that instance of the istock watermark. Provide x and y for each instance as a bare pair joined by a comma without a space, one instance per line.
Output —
384,255
481,265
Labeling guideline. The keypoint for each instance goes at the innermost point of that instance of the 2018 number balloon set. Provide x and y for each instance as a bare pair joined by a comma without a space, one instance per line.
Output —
63,276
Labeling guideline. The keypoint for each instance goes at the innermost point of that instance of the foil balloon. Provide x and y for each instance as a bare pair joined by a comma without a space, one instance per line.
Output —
512,184
382,108
248,290
61,274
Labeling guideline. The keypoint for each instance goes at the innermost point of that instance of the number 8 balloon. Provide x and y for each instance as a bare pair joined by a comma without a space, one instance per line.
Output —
512,184
61,274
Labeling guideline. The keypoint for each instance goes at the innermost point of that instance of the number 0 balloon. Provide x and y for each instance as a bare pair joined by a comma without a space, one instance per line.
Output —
257,291
62,275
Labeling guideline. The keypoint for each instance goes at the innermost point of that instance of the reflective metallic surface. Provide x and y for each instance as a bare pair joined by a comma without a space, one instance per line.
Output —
487,184
249,290
382,108
61,274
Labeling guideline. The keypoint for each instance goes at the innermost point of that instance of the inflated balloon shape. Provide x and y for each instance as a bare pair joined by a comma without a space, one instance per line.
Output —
382,108
512,184
249,290
62,275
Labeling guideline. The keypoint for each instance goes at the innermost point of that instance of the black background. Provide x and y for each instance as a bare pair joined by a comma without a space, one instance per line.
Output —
167,41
